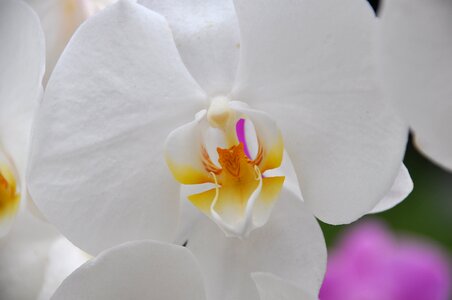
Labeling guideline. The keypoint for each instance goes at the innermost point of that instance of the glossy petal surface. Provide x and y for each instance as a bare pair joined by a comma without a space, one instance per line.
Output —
97,166
310,65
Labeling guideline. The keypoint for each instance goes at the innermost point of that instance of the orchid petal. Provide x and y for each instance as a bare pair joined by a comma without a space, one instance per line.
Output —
416,67
63,258
23,257
271,287
290,246
207,36
309,64
97,168
22,67
402,187
59,20
136,270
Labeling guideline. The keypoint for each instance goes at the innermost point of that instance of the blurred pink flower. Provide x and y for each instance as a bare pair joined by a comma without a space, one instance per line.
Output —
371,264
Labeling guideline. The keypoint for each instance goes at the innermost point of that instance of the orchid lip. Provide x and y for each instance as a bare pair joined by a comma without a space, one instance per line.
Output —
242,196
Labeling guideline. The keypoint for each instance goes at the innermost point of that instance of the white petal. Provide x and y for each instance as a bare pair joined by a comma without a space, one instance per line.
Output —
309,64
22,67
290,246
59,19
416,68
136,270
97,166
23,257
271,287
63,258
207,36
402,187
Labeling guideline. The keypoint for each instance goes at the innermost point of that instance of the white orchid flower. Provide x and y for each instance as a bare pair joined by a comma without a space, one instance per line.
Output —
59,19
261,81
416,55
152,270
22,66
123,88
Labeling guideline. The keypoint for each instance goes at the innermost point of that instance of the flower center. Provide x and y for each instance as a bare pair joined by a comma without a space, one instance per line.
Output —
9,198
242,196
234,159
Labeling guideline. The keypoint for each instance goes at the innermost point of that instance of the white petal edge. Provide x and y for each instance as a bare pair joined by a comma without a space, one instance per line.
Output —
290,246
62,259
207,36
416,66
402,187
136,270
59,20
309,64
97,168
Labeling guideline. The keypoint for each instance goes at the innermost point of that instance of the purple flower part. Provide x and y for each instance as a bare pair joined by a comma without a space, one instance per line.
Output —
421,272
370,264
240,130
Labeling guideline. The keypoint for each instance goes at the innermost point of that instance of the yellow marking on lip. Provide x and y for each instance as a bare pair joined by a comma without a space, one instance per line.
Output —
236,183
9,197
271,187
272,157
187,174
233,198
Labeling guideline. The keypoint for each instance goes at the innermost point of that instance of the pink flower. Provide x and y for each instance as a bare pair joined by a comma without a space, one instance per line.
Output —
371,264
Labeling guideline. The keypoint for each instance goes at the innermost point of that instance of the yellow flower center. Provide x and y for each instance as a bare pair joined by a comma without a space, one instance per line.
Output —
9,197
